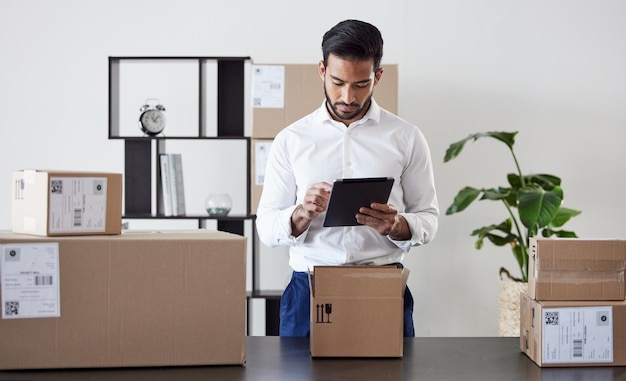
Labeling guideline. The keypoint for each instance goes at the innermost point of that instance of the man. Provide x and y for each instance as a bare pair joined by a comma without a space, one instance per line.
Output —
349,136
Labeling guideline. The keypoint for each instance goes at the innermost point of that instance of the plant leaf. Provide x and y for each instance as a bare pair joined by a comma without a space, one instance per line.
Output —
507,138
562,216
463,199
547,232
455,148
498,240
522,259
538,207
504,226
544,180
495,194
547,182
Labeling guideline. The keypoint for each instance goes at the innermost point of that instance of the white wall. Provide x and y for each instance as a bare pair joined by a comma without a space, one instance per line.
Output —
553,70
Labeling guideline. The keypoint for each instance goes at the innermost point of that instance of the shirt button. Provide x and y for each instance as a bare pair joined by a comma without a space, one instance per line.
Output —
351,258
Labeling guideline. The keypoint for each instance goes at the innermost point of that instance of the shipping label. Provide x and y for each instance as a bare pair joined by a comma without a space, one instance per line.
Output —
78,204
577,335
29,276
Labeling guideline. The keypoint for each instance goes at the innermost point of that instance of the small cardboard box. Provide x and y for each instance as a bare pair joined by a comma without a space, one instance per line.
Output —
576,269
59,203
129,300
573,333
304,92
357,311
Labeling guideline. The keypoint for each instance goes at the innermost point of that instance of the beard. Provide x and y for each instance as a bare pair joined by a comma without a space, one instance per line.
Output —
344,115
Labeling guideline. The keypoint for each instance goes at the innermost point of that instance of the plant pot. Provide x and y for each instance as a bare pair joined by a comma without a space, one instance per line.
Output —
509,304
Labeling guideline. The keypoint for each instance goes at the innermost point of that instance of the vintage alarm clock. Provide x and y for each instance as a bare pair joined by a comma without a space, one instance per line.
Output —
152,117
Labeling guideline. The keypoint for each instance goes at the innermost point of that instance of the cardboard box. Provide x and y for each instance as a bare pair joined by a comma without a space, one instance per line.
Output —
357,311
129,300
304,92
58,203
577,269
573,333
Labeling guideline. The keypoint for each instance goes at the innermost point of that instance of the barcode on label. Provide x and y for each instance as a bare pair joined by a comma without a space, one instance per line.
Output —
12,308
256,101
78,217
577,348
551,318
43,280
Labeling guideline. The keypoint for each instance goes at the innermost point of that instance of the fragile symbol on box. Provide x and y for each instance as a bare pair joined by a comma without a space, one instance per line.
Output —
323,312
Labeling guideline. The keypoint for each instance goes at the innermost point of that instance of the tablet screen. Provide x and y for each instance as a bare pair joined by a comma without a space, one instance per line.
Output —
348,195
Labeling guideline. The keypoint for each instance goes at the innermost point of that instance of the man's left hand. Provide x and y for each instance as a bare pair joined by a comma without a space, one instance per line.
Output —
384,218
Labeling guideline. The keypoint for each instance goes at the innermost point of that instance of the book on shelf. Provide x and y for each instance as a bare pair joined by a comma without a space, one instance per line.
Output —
165,200
172,185
178,190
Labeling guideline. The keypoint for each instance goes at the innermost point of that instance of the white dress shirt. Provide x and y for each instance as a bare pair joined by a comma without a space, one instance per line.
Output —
317,148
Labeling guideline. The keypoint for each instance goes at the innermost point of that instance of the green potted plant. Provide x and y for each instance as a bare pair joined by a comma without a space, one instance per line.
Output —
533,205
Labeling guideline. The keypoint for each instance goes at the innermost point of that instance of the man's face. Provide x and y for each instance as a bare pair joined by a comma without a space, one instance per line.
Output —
348,86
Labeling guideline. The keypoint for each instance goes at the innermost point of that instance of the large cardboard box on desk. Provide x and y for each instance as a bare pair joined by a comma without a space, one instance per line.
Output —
357,311
577,269
129,300
59,203
573,333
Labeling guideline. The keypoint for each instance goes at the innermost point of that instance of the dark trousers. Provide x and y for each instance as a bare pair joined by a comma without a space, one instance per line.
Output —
295,305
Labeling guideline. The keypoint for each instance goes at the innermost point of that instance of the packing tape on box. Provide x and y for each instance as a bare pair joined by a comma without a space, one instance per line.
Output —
29,176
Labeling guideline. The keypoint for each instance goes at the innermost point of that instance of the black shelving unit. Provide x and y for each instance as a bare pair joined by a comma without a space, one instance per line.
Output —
139,154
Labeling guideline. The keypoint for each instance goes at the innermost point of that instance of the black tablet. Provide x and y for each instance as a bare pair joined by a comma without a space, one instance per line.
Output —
348,195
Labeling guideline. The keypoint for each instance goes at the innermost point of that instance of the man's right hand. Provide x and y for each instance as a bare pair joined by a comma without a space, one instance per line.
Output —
315,202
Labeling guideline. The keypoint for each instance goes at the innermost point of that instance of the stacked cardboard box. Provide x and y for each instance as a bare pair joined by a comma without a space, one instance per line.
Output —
574,313
128,300
61,203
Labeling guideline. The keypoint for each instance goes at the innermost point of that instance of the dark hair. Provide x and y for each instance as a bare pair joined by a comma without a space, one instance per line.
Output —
353,40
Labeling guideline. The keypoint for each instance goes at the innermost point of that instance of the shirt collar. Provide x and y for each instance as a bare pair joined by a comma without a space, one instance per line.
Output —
372,114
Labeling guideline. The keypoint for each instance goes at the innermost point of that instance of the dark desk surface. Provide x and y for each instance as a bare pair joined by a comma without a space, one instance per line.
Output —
273,358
